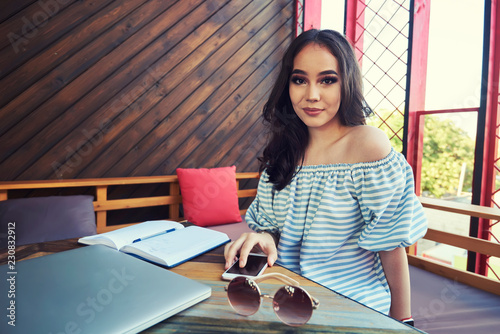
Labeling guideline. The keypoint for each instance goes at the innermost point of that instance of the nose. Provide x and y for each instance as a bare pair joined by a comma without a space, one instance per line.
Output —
312,94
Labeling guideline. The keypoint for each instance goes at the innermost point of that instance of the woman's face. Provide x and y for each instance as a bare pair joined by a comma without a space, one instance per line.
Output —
315,87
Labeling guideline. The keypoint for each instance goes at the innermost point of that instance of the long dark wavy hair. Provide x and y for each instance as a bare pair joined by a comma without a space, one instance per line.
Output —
289,136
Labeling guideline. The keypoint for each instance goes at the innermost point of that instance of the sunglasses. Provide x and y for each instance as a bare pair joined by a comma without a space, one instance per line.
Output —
292,304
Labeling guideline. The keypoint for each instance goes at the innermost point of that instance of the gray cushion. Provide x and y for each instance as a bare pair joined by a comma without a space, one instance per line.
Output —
39,219
233,230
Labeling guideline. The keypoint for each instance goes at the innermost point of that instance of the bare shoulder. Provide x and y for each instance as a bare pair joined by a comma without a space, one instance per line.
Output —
369,144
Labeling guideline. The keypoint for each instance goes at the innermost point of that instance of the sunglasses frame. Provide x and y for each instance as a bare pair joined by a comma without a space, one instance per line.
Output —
291,283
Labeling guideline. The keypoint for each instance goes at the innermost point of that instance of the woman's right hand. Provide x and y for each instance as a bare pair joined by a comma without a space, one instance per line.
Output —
244,245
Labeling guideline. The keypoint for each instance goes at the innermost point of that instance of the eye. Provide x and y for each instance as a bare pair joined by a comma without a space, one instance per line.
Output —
329,80
297,80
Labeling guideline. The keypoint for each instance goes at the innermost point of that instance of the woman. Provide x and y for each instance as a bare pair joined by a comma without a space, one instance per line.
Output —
335,202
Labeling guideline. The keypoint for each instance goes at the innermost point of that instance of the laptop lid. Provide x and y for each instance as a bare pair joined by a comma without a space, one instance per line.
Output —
93,289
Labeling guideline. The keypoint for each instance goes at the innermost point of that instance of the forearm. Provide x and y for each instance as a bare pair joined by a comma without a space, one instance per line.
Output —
395,264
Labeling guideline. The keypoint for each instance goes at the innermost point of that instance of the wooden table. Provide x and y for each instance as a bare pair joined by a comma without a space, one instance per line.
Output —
336,314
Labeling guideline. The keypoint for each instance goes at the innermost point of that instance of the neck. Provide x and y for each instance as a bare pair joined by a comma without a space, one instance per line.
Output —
326,137
326,147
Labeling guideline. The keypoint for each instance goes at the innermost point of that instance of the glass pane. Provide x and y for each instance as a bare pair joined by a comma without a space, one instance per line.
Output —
448,156
447,166
453,82
455,54
332,15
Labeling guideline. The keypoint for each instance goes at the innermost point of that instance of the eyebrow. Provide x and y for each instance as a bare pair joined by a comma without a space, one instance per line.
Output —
321,73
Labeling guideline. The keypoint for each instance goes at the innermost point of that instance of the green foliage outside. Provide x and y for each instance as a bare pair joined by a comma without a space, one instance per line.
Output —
446,148
392,124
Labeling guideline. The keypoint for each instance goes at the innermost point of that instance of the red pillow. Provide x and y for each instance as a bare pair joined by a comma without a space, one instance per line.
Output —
209,195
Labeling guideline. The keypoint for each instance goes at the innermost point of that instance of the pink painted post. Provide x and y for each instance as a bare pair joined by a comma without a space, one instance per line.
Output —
355,26
418,77
299,17
312,14
490,143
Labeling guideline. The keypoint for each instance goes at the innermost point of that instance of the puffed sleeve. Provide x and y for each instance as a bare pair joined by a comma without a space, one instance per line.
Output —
260,216
392,212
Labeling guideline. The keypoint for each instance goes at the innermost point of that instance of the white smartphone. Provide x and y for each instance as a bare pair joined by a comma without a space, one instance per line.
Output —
256,264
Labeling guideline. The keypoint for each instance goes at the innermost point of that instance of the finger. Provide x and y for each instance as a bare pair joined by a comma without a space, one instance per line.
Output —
243,258
232,249
269,247
230,262
272,257
226,247
230,252
250,242
272,254
228,255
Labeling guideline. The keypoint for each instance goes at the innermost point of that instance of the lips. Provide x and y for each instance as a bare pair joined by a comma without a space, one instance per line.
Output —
312,111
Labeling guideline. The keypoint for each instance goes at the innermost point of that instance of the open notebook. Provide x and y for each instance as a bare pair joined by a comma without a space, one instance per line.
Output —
94,289
161,241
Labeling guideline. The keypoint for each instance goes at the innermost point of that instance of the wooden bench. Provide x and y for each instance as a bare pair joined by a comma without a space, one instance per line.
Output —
480,246
102,205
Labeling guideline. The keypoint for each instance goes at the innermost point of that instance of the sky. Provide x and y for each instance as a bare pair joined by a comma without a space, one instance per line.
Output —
455,53
455,58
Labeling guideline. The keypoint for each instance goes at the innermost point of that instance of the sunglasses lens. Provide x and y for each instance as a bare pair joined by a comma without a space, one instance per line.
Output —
243,296
292,305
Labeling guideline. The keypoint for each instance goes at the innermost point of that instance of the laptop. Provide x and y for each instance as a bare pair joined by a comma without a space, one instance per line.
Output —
93,289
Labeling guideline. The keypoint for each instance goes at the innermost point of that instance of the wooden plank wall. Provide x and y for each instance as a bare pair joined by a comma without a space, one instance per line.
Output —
103,88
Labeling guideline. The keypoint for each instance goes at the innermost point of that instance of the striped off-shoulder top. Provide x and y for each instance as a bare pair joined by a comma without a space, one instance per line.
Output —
333,219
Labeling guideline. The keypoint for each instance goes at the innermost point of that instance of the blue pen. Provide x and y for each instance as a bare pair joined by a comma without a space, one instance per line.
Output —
153,235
